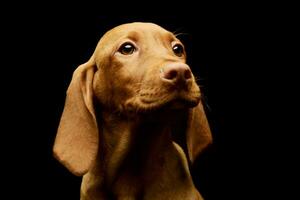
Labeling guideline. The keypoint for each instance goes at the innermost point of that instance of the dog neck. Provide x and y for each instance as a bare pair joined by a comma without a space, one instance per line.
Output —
134,151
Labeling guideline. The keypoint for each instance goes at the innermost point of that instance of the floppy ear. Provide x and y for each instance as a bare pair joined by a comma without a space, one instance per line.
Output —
198,135
76,142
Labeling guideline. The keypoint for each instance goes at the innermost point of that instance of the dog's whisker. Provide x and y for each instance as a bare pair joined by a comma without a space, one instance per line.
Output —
197,78
205,102
181,34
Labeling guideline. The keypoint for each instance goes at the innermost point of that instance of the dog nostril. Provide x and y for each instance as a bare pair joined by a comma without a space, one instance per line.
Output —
187,74
171,75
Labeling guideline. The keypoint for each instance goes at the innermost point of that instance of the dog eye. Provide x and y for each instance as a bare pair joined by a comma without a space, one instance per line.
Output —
178,50
127,48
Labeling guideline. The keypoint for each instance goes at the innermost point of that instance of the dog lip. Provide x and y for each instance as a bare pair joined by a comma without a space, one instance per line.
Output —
184,102
188,96
151,103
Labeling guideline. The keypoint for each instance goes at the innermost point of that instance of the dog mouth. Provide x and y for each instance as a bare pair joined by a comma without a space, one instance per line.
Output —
146,102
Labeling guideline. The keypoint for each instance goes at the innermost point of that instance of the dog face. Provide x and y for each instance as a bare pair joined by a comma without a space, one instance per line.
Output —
141,68
136,68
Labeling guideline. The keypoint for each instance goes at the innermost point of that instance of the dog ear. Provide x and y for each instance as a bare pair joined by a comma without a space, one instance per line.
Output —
198,135
76,142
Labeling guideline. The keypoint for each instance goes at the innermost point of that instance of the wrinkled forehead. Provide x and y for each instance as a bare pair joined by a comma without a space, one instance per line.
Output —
136,30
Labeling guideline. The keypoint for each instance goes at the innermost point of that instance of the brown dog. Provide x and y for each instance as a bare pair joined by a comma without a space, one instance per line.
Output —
132,120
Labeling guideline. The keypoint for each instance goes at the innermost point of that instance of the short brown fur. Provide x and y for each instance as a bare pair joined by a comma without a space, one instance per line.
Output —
131,133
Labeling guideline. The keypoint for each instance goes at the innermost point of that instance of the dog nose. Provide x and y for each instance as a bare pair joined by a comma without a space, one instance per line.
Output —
176,72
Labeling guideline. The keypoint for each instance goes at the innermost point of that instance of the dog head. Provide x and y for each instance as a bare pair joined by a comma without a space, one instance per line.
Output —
142,67
136,68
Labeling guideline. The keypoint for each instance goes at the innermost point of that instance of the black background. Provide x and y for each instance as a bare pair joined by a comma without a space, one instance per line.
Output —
227,48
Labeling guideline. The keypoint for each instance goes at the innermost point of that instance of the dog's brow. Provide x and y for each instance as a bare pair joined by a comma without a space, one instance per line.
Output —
171,37
133,35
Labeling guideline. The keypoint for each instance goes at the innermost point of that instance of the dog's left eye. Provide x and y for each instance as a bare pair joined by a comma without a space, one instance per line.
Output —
178,50
127,48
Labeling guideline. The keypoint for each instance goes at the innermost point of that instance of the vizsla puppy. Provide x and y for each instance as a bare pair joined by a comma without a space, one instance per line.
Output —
133,121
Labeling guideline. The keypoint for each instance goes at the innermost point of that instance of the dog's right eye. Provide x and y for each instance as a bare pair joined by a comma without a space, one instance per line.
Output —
127,48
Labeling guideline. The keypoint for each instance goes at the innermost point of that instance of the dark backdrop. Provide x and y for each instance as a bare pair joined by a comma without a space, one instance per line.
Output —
224,44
